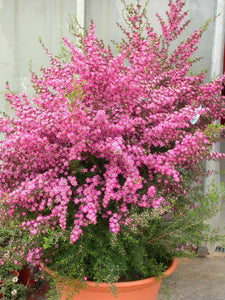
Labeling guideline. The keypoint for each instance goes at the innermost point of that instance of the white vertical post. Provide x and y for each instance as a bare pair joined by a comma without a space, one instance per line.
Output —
80,12
216,70
218,43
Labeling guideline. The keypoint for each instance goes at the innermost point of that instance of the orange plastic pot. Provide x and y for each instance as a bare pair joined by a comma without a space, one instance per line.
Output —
145,289
25,277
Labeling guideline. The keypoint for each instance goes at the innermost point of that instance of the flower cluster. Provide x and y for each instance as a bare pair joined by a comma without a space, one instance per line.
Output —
109,134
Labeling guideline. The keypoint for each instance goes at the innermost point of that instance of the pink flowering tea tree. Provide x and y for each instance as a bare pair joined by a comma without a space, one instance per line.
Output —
104,165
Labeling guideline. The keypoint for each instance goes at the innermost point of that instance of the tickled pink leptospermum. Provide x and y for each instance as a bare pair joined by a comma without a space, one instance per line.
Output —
124,121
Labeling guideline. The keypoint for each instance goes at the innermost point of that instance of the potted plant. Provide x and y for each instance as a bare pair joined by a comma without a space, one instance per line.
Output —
9,287
11,262
18,278
105,164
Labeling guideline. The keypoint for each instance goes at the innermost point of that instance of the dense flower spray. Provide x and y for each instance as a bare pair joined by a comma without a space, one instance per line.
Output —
109,134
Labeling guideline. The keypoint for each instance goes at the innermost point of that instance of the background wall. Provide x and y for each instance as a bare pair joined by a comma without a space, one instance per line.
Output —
22,22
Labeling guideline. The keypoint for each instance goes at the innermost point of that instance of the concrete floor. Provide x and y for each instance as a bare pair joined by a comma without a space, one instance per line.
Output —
196,279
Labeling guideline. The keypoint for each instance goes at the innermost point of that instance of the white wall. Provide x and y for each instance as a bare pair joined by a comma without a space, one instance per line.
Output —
22,22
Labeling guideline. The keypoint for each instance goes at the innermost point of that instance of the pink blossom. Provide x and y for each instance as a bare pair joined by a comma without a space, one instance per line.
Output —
109,133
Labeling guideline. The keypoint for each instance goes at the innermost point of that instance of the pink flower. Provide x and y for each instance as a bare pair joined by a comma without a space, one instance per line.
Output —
108,134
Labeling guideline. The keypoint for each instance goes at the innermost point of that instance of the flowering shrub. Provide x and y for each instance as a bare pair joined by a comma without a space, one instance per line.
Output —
101,162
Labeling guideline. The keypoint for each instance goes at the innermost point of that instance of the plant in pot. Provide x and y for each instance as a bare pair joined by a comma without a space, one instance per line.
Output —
18,278
10,288
105,164
11,261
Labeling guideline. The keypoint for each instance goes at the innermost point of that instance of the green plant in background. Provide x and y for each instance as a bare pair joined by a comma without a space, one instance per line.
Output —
11,262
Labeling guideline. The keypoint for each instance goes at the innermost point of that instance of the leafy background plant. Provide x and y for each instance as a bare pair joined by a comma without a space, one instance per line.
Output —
11,261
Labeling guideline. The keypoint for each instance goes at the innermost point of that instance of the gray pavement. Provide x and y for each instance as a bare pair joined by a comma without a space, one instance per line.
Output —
196,279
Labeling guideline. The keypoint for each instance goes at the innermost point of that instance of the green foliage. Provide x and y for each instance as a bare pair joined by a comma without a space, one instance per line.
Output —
140,250
10,288
11,244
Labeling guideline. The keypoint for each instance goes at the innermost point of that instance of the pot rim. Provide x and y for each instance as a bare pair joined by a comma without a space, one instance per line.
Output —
135,284
140,282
